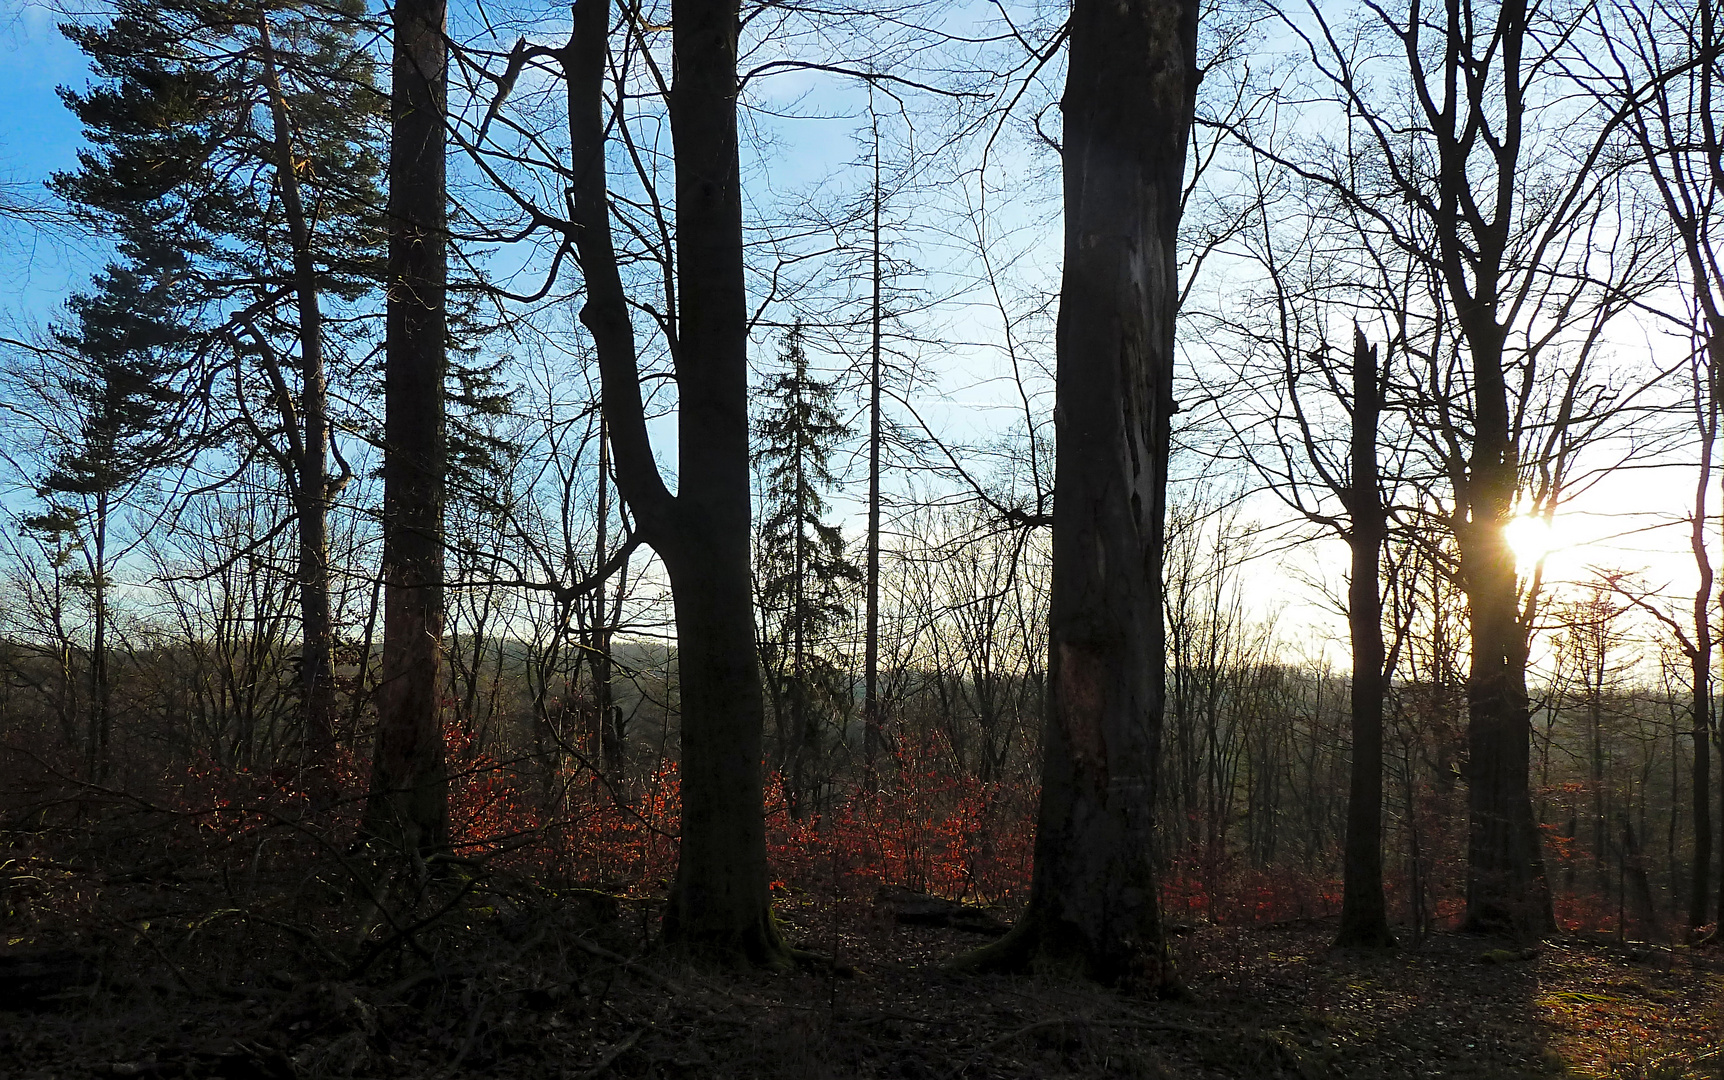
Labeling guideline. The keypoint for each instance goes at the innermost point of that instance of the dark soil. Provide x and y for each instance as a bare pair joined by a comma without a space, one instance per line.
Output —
280,973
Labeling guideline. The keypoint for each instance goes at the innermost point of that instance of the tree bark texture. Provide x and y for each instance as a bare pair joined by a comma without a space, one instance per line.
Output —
719,904
1364,916
408,804
1128,109
1708,405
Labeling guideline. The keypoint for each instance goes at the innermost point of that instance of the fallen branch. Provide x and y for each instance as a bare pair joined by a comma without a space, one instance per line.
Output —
640,969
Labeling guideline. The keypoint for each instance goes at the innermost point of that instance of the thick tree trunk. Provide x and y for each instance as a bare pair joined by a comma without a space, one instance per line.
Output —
719,904
719,900
408,804
1364,916
1506,887
1094,902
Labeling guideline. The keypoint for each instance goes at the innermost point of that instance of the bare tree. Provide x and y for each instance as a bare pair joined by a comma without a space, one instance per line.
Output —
719,901
1130,92
1659,65
1442,168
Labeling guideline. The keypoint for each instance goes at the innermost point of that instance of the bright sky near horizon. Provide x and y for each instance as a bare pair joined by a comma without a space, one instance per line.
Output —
1630,521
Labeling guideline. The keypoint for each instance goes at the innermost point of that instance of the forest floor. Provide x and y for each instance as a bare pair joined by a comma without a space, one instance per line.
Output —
171,971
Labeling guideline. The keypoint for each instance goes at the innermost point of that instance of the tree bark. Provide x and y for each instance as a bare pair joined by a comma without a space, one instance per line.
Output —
1094,903
1706,408
719,905
408,803
312,494
1506,887
803,733
1364,915
608,737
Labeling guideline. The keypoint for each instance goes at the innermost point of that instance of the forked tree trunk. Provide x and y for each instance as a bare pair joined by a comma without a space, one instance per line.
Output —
408,801
1128,108
719,904
1506,888
1364,916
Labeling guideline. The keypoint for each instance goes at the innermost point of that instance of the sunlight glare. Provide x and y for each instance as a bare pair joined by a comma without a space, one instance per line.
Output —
1531,539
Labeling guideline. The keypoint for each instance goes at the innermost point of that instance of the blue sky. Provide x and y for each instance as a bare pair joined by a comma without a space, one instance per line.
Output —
37,137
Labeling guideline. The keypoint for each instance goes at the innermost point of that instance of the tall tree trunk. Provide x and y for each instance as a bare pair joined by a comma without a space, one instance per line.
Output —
720,897
312,494
101,701
798,635
1130,89
408,804
609,737
871,619
1506,888
1700,655
1593,680
719,904
1364,915
1708,285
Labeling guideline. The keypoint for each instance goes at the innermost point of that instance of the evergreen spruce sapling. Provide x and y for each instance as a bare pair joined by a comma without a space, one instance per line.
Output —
803,573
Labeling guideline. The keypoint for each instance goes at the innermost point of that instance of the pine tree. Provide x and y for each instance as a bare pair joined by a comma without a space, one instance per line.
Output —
117,356
235,149
803,572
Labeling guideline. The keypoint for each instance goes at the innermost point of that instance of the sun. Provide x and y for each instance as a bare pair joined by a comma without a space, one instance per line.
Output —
1531,539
